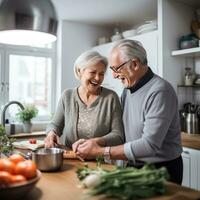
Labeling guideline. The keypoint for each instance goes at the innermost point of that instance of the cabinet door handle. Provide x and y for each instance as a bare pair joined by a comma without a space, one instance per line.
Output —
186,152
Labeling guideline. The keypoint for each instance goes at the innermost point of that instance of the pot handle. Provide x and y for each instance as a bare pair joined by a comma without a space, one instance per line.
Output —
27,156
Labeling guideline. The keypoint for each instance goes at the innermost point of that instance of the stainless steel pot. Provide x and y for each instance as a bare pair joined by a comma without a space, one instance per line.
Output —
192,123
48,159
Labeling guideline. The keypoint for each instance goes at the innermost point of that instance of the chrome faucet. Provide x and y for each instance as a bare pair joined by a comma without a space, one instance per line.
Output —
3,118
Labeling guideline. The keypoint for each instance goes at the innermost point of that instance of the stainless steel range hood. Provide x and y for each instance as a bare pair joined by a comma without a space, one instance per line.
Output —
26,22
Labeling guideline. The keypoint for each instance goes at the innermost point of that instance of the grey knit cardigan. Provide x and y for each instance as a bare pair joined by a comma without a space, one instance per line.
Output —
108,123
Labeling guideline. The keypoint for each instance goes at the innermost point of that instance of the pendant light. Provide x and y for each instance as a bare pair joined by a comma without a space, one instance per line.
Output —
27,22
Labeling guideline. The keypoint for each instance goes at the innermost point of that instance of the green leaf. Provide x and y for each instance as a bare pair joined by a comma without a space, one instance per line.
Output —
27,113
6,143
129,183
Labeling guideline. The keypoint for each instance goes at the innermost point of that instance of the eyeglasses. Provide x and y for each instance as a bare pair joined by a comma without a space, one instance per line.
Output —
116,69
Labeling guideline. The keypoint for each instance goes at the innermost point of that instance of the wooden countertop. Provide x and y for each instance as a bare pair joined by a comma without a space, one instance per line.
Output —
33,134
64,185
191,140
188,140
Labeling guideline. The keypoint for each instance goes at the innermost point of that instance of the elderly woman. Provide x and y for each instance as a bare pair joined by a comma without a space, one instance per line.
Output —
89,110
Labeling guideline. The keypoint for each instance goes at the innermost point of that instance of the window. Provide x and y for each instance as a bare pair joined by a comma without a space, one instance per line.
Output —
28,76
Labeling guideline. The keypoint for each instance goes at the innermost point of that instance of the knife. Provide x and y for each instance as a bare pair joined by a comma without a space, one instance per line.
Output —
61,146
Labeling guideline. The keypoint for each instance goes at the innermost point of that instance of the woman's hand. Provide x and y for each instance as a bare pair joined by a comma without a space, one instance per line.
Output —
51,140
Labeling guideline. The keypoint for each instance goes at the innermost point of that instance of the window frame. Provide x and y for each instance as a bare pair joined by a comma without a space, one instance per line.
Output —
6,51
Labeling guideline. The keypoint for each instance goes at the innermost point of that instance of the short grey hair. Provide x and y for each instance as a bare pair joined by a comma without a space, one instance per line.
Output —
130,49
87,59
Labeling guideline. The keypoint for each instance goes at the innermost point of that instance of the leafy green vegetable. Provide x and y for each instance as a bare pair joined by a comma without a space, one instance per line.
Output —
128,183
27,113
82,173
100,160
6,143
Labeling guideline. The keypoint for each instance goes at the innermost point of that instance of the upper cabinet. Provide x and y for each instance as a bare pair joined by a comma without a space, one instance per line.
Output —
150,43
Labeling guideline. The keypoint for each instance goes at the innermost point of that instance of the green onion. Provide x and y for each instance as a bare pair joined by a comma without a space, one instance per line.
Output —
127,183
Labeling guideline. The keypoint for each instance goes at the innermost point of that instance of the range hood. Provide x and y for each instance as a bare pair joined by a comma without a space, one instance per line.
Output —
27,22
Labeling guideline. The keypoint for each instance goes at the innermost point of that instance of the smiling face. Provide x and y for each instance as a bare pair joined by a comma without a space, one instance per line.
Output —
92,77
128,74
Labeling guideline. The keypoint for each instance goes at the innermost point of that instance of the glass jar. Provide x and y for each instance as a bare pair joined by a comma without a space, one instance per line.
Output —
189,76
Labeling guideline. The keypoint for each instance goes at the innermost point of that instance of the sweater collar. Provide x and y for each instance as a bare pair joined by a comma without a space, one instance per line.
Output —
146,78
82,104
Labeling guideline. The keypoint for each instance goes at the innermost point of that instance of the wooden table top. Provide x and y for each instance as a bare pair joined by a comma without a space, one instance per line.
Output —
64,184
191,140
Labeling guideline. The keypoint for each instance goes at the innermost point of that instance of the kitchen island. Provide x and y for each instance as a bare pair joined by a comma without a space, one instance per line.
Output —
65,185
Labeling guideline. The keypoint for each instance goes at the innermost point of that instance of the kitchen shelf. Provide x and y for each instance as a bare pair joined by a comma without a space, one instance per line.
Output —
192,52
189,86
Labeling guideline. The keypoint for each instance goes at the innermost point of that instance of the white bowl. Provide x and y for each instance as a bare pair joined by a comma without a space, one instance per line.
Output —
116,37
129,33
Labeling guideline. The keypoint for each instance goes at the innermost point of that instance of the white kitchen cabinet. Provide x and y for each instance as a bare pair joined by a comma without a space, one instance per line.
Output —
198,170
190,168
149,41
109,81
186,169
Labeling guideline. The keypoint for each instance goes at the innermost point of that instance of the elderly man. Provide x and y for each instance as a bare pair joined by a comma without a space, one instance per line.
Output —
150,115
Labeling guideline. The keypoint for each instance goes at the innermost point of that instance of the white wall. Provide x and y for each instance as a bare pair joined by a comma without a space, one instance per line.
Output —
74,38
174,20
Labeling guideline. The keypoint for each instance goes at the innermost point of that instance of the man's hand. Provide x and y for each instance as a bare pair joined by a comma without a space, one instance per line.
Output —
76,144
89,149
51,140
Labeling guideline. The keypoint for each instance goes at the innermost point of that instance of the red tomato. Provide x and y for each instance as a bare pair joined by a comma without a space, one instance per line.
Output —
26,168
32,141
5,178
15,158
17,179
7,165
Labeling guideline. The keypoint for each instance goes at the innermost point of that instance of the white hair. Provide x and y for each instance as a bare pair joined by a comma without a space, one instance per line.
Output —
87,59
130,49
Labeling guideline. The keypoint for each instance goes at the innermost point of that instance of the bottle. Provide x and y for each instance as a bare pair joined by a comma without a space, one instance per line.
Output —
7,126
10,127
189,77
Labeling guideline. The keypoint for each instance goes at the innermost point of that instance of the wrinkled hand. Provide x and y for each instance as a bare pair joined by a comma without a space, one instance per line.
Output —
89,149
51,140
77,143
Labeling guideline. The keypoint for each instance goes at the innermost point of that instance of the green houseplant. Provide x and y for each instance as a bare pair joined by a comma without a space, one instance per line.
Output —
6,143
26,115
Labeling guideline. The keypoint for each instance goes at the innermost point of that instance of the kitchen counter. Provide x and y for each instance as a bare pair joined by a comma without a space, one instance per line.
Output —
191,140
24,135
64,185
188,140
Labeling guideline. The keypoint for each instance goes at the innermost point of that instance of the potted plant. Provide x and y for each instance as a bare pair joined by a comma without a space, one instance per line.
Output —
6,143
26,115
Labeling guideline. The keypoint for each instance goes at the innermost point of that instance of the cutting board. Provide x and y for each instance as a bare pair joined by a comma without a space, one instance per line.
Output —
25,144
